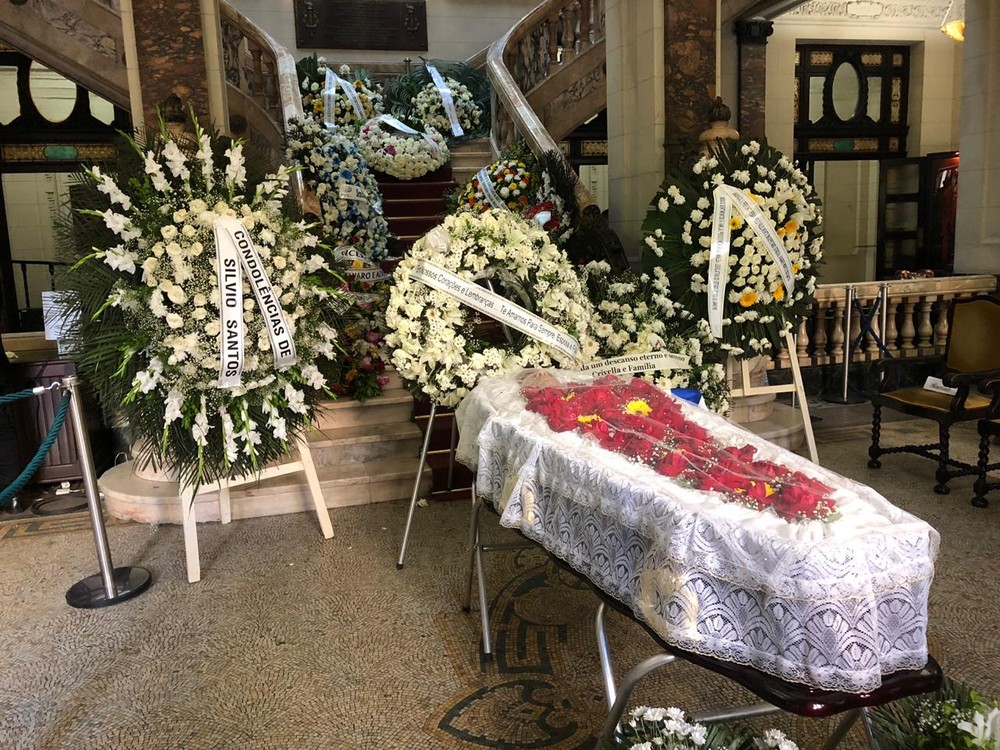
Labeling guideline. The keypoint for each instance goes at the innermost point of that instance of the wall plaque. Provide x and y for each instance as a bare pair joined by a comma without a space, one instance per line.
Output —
361,24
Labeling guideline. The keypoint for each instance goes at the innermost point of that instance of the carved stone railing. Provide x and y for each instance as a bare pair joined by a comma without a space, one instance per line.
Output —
916,321
263,84
544,43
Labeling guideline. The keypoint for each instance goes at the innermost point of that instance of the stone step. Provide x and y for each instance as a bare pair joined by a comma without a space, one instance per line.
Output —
413,226
396,190
394,405
129,497
414,207
365,443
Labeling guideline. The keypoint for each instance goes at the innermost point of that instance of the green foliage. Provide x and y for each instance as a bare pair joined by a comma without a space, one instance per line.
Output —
929,722
401,92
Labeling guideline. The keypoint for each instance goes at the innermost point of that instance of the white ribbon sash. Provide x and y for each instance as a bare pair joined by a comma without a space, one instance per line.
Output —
370,274
446,100
486,185
330,96
351,192
233,239
497,307
727,198
631,363
402,127
230,310
345,253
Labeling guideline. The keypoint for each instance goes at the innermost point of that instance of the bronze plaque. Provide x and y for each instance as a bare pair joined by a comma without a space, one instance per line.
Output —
361,24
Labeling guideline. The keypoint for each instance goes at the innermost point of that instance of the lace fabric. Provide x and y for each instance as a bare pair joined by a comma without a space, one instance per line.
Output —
831,604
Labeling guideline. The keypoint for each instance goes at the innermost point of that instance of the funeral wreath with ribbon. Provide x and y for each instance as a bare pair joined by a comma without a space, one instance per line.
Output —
482,294
205,312
741,238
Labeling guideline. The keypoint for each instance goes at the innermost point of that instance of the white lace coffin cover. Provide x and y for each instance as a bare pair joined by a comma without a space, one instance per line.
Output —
833,605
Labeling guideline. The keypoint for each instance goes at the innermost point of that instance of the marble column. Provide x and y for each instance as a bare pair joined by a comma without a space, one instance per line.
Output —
171,60
752,37
977,236
689,67
660,84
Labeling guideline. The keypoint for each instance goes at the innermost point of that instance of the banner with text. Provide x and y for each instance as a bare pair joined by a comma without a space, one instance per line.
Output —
727,198
500,309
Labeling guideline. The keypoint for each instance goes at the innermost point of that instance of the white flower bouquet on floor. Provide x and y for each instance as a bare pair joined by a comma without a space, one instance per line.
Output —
205,311
395,149
668,729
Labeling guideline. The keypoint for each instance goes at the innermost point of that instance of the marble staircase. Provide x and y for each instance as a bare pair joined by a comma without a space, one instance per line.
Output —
364,453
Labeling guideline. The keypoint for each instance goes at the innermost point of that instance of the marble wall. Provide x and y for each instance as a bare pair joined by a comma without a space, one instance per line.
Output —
977,240
456,29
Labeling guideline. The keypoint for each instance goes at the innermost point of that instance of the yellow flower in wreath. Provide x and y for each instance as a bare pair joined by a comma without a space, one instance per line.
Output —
779,292
735,223
588,418
748,298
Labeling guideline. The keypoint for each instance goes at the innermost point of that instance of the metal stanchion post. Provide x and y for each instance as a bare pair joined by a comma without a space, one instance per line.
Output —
112,585
848,307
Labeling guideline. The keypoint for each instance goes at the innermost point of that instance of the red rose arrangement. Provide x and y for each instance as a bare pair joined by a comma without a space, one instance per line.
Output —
640,421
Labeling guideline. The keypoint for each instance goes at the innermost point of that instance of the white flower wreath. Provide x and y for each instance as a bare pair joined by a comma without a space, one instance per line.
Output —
152,336
429,108
438,345
401,155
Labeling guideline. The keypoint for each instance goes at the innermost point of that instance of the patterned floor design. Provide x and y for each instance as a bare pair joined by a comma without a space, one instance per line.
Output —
290,641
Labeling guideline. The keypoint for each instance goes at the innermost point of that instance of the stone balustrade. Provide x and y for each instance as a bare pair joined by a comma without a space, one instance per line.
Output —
916,319
262,81
542,44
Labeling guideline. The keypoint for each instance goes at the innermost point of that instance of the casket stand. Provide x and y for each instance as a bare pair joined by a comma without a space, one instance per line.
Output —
830,607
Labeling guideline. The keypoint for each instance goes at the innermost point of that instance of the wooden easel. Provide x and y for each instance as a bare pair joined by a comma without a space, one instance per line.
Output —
188,496
794,387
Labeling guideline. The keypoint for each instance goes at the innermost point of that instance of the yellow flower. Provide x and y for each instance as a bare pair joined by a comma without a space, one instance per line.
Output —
588,418
748,298
357,263
779,292
317,104
791,226
795,267
638,406
768,490
735,223
569,396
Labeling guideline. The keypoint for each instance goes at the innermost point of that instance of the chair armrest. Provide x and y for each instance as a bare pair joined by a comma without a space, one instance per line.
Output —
884,371
963,381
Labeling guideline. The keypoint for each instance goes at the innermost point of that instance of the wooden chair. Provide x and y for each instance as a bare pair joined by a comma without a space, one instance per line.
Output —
972,357
989,429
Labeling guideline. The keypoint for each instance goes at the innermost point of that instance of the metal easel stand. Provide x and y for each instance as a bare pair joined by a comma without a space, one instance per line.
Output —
794,387
112,585
189,495
475,568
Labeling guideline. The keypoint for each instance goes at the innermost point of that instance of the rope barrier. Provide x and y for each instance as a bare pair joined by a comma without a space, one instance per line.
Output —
9,398
43,449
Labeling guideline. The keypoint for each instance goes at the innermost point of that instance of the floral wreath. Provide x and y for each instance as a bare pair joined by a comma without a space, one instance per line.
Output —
151,338
428,108
399,154
637,316
510,183
350,201
758,308
438,346
313,82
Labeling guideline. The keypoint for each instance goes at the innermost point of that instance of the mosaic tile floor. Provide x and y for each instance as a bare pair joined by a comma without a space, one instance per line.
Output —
290,641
